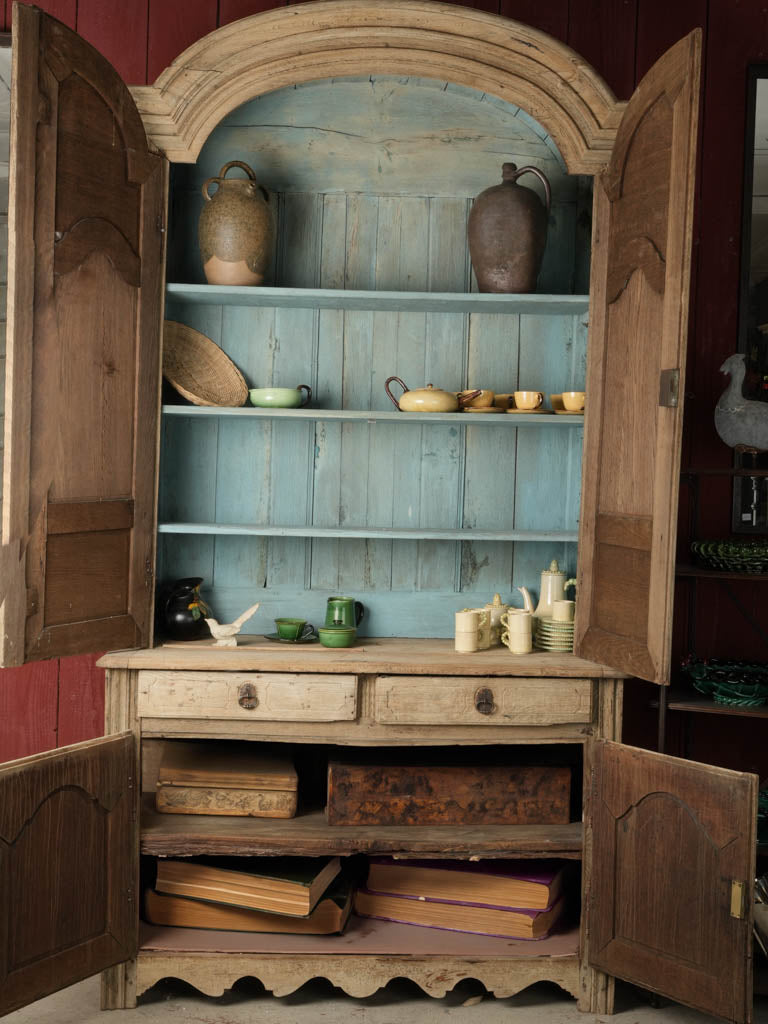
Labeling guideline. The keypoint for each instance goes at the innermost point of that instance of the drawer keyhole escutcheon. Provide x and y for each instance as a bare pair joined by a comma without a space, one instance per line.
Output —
248,697
484,701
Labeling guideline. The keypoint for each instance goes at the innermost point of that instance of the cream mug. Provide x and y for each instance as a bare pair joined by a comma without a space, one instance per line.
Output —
483,627
528,399
469,626
563,611
517,631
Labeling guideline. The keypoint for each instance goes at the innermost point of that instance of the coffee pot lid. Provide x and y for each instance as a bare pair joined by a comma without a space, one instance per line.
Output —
553,569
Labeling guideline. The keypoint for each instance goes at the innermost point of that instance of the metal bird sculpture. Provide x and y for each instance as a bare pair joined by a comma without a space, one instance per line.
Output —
740,422
225,633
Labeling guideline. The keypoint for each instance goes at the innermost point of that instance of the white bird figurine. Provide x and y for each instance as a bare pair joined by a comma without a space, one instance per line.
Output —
225,633
741,422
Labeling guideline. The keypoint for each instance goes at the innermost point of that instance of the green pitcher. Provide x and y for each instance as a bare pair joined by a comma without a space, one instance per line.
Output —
343,611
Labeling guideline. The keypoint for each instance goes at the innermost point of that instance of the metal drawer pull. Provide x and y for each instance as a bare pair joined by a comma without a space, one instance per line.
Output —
484,701
248,698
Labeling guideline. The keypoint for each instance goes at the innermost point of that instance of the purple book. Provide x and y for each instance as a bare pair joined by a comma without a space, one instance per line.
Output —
520,885
458,916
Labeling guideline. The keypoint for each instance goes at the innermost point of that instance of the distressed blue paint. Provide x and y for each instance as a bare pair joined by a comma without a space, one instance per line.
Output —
371,277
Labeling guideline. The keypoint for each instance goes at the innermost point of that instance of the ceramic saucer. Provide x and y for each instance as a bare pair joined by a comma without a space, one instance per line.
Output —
528,411
282,640
568,412
484,408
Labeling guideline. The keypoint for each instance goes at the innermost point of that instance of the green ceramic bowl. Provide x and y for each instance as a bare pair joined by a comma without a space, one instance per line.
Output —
337,636
281,398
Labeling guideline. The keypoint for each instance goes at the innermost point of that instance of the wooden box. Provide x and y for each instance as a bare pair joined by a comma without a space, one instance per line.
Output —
226,778
448,794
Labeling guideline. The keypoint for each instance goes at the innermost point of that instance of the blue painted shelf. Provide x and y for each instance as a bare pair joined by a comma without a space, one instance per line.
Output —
378,301
379,416
366,532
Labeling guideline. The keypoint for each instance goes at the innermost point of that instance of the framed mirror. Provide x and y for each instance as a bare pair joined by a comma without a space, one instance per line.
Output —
750,490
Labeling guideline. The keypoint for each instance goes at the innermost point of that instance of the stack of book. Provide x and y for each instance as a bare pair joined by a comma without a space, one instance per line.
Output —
299,895
505,898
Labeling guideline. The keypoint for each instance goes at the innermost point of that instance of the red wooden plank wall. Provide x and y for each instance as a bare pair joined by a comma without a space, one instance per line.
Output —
48,704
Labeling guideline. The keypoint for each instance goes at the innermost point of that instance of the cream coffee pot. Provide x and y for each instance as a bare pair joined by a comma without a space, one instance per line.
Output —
553,587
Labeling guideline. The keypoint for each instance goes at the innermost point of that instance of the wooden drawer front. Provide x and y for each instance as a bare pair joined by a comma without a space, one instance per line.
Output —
248,696
471,700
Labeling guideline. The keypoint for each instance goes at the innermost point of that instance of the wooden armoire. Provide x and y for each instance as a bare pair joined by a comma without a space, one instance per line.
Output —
664,849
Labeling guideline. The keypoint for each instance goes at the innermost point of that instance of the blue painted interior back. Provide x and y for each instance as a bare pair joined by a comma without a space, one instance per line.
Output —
373,181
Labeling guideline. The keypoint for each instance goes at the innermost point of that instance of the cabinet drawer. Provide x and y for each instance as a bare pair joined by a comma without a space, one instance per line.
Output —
248,696
473,700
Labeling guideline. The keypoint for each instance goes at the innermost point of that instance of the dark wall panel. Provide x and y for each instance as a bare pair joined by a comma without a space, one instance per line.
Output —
173,27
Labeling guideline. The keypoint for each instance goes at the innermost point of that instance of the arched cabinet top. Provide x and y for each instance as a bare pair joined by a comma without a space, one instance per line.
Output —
338,38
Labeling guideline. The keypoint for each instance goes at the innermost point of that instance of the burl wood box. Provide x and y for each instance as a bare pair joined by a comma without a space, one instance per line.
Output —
226,778
448,794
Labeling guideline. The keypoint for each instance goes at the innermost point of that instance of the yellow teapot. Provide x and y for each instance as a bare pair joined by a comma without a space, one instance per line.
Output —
428,399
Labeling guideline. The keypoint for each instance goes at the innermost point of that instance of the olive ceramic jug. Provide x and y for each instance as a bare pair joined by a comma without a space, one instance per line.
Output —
236,229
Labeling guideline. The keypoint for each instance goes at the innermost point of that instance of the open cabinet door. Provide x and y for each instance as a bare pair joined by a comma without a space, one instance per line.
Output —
68,867
643,213
670,900
86,245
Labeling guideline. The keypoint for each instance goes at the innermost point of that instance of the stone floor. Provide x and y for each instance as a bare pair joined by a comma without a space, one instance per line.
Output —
401,1002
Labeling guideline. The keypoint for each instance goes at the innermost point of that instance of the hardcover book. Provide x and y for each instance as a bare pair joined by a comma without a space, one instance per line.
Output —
281,885
531,885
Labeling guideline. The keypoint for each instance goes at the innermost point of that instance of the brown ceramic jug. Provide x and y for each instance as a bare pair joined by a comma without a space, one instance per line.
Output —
507,232
236,229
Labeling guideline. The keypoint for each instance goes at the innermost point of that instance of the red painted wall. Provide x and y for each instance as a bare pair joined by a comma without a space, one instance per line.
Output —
55,703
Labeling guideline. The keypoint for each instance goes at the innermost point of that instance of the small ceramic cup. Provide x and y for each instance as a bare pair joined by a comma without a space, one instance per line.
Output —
483,627
337,636
517,620
473,630
528,399
504,401
518,642
563,611
483,400
294,629
573,401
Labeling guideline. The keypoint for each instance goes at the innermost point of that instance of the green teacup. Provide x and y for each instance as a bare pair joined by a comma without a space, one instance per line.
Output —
337,636
281,398
294,629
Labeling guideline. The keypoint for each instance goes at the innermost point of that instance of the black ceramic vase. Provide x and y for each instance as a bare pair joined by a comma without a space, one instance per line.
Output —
180,611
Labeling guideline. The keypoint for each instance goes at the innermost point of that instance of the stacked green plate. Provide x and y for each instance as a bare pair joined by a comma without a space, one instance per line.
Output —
750,556
553,636
734,683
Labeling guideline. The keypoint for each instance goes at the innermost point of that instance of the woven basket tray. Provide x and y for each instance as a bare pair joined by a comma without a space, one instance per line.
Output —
198,369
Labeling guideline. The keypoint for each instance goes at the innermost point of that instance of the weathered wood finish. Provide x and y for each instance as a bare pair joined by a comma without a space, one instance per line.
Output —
64,917
86,189
251,696
639,307
284,48
416,700
670,838
459,794
252,803
308,834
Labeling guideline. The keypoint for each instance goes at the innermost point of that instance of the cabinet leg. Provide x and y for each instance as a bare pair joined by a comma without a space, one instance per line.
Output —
118,987
597,991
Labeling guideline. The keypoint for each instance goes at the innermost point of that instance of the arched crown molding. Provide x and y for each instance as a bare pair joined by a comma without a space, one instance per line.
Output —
338,38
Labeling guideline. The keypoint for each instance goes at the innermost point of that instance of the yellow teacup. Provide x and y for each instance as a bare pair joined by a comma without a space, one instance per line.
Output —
528,399
504,401
573,401
481,401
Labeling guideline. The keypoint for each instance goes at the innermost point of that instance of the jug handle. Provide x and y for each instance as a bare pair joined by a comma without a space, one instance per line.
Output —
402,384
223,173
359,611
542,179
308,389
570,583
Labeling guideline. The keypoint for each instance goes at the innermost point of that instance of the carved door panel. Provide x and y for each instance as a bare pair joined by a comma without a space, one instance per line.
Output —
670,903
643,215
68,867
86,245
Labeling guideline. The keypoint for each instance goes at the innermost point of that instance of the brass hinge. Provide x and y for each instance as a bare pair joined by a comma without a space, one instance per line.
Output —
669,388
737,899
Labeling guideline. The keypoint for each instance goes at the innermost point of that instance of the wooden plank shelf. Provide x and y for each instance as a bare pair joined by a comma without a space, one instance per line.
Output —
188,835
707,706
367,532
377,301
718,574
380,416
